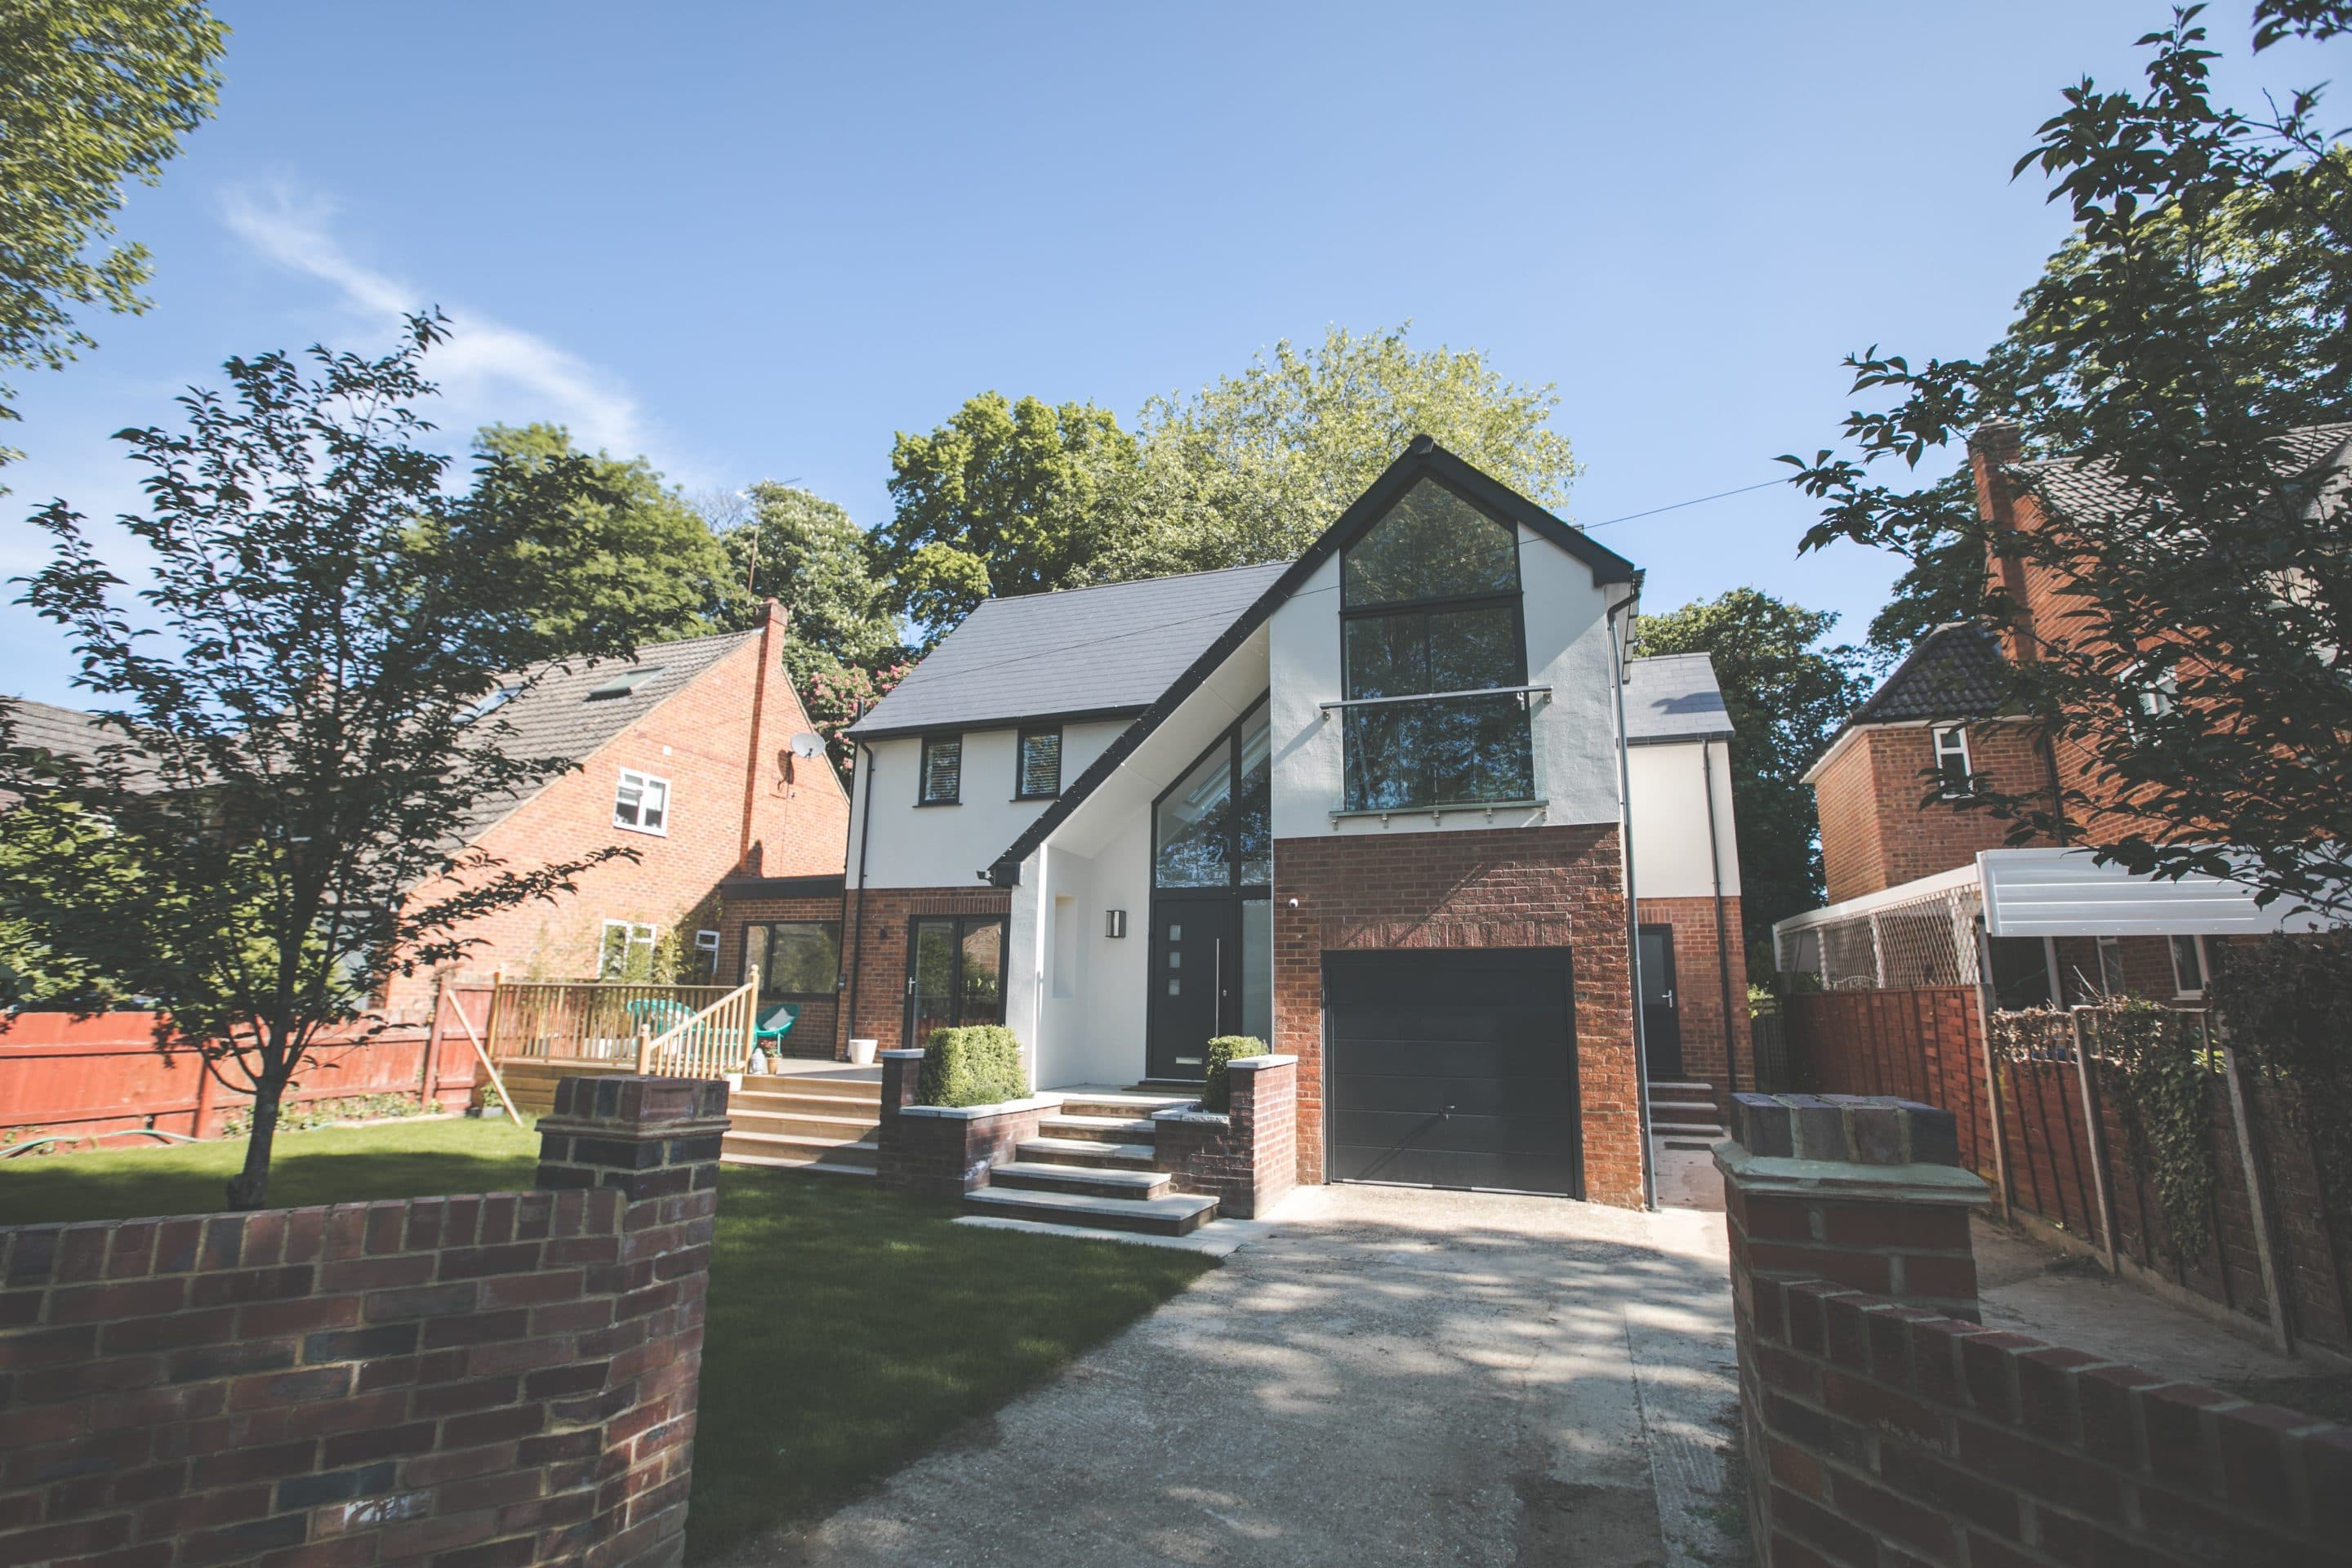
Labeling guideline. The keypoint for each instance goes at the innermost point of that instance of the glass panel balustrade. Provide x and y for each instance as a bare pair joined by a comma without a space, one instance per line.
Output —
1417,753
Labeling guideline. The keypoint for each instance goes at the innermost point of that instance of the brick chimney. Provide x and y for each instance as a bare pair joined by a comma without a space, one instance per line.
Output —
773,620
1995,445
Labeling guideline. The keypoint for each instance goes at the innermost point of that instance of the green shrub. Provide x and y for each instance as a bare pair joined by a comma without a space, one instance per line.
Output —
979,1064
1217,1094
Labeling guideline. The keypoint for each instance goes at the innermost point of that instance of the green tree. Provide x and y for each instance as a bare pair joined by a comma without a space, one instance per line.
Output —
1944,580
2170,349
628,550
92,93
301,737
1786,695
1005,498
1253,466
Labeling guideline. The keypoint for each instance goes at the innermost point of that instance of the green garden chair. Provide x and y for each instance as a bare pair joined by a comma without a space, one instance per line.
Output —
775,1023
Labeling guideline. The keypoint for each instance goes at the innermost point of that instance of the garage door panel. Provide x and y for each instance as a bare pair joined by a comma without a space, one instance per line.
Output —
1489,1034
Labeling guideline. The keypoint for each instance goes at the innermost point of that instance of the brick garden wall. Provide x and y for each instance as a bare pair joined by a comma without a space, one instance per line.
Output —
1247,1158
482,1382
1528,886
1711,1053
935,1152
1884,1426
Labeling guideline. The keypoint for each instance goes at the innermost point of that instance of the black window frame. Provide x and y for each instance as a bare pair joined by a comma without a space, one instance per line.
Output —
1229,739
923,769
1021,738
764,928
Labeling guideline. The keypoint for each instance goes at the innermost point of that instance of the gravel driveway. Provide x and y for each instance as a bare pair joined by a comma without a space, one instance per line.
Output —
1391,1375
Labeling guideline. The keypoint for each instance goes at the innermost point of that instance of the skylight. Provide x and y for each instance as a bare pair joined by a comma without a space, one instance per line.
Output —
628,680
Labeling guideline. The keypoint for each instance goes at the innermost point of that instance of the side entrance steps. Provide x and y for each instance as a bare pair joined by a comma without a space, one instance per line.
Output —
807,1122
1685,1128
1091,1165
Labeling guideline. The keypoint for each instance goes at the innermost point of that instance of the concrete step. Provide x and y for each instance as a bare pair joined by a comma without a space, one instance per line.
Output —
1682,1129
1177,1213
862,1152
1122,1105
1086,1152
1678,1088
1681,1108
1101,1129
1029,1176
839,1129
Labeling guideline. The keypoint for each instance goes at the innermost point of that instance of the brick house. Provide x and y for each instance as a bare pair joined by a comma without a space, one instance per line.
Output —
1910,866
685,756
1369,806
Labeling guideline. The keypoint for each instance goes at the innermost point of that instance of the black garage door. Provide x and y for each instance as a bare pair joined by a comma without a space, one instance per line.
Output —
1452,1068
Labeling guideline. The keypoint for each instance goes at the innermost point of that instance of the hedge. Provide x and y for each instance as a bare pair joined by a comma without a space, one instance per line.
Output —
979,1064
1217,1093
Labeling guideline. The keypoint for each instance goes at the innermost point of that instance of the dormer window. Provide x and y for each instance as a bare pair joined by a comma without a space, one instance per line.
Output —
1430,611
641,804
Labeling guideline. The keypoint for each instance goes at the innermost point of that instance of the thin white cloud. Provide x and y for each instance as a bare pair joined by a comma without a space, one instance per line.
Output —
488,371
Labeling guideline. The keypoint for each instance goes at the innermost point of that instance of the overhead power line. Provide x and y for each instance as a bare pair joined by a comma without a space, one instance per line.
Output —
1677,506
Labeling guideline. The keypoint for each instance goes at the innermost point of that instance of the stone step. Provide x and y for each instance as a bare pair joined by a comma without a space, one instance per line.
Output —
1178,1214
1122,1105
1092,1181
862,1152
1101,1129
1680,1089
839,1129
1686,1108
1086,1152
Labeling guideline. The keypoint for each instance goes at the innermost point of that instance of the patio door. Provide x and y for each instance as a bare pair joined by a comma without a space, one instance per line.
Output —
955,972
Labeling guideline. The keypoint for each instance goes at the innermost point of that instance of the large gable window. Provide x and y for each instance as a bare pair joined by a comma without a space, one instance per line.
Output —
1213,827
1435,659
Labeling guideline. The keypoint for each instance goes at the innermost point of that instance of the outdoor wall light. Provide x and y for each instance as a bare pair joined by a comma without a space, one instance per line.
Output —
1114,923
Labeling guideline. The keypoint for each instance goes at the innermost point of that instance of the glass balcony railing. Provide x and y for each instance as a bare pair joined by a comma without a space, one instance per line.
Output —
1447,748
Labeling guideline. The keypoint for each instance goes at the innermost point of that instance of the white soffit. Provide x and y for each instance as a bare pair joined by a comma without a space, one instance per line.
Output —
2065,892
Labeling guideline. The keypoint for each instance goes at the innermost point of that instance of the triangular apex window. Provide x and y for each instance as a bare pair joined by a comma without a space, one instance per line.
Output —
1432,544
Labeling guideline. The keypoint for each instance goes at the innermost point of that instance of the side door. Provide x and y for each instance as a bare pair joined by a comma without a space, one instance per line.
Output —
1661,1020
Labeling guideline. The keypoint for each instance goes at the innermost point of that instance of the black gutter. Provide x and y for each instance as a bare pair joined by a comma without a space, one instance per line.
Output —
858,931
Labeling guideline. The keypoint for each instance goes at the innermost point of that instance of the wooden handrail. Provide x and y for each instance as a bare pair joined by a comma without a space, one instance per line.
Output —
714,1043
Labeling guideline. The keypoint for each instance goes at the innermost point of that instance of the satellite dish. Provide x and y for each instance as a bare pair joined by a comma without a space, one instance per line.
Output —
808,743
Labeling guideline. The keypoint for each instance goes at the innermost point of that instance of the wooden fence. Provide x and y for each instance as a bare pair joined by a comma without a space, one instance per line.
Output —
2269,1217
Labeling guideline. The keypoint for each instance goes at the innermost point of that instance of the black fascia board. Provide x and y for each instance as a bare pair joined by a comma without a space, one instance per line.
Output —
981,726
1423,457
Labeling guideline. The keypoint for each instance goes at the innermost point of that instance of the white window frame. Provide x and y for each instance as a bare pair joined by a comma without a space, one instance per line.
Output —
2180,991
2111,967
652,790
706,954
637,933
1957,737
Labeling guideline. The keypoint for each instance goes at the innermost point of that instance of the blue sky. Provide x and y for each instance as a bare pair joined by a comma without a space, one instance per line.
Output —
753,241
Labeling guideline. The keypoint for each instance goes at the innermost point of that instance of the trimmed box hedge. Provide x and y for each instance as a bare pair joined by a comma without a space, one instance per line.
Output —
1217,1093
978,1064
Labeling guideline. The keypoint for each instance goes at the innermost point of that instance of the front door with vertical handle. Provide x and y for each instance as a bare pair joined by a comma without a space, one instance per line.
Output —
1196,973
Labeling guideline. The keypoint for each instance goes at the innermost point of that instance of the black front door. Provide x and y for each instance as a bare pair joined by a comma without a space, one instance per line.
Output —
1453,1067
1662,1019
1196,958
955,973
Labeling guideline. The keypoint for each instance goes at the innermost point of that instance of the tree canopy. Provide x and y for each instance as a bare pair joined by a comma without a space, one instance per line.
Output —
2191,667
300,741
92,93
1786,694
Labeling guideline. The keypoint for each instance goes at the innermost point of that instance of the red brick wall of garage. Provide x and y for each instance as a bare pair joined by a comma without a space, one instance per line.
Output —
817,1033
1710,1054
799,816
1876,832
1526,886
875,950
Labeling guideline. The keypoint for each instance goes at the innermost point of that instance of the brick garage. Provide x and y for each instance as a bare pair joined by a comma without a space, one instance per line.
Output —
762,900
874,950
1705,971
1504,888
478,1382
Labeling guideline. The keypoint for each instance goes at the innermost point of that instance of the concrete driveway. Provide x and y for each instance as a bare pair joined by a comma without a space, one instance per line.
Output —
1389,1376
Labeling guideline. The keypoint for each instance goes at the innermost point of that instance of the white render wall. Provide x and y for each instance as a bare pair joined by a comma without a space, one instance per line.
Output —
1575,728
1669,813
950,846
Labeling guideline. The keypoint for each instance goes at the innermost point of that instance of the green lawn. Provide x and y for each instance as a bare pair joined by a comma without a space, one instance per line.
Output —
849,1331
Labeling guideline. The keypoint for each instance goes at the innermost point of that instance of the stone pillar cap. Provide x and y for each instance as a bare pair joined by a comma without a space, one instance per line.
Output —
1844,1129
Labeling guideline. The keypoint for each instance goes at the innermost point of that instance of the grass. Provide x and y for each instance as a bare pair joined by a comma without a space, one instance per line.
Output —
849,1331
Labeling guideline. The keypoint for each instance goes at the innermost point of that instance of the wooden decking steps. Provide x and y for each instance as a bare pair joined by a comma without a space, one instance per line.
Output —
1090,1166
809,1121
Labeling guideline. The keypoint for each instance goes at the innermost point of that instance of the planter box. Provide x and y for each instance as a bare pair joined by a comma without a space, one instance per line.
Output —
943,1150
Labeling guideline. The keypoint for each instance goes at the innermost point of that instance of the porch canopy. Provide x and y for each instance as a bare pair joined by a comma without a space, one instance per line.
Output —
1921,933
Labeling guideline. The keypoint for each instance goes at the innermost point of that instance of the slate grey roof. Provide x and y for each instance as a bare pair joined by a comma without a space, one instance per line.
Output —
66,731
2081,487
559,718
1113,648
1674,697
1953,672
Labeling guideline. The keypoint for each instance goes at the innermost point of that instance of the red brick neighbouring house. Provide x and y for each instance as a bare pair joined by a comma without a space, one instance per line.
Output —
685,757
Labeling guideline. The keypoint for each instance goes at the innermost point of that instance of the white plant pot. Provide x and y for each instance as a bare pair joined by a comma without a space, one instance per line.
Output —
861,1052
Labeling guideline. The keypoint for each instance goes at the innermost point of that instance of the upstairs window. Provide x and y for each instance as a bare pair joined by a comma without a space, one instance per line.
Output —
642,802
1430,608
1038,765
1952,763
942,772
